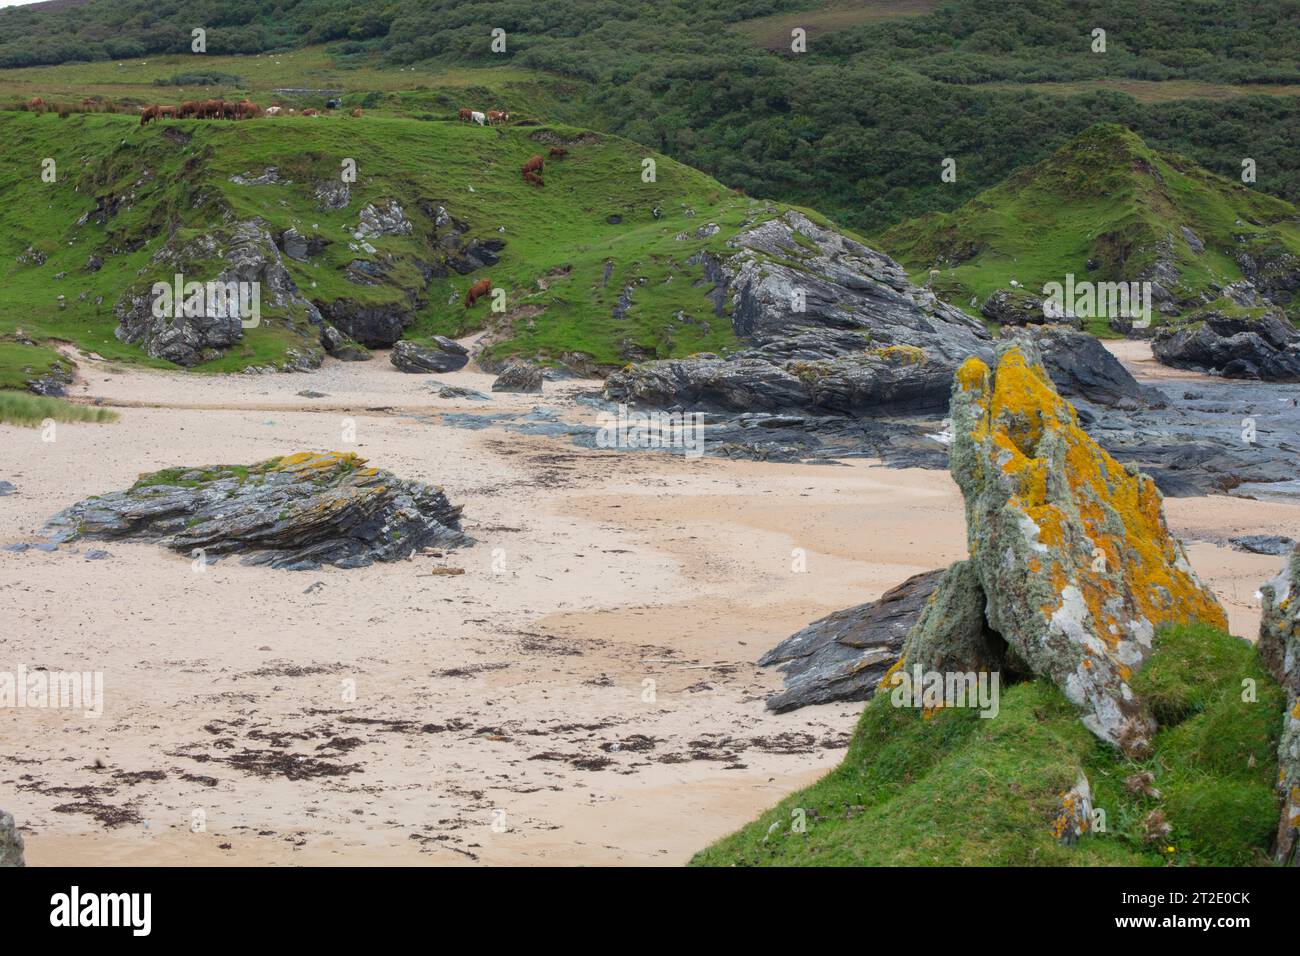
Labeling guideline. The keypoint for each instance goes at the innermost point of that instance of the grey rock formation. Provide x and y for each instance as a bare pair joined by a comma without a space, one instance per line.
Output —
1016,307
382,219
829,323
844,655
1265,347
342,347
443,356
296,512
1279,648
1275,544
251,257
374,325
11,842
519,377
1081,367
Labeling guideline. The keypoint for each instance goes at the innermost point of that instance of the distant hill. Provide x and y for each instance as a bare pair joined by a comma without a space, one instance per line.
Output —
1106,207
855,126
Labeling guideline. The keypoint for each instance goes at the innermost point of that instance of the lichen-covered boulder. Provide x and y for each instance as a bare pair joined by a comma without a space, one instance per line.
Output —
11,842
295,512
1070,547
1279,647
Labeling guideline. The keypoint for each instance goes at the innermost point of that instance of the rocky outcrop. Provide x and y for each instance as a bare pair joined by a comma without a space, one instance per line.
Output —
519,377
11,842
1081,367
844,655
1071,566
382,219
374,325
1070,548
295,512
444,355
1016,307
829,323
190,335
1265,347
343,347
1279,648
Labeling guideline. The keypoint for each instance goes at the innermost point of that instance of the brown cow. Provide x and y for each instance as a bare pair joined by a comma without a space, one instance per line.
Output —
168,112
497,116
246,109
36,104
479,289
464,114
532,178
310,112
189,109
355,112
558,153
148,113
535,164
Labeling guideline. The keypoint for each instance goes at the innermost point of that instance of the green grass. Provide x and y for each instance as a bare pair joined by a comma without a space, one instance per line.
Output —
175,179
960,790
22,408
1104,197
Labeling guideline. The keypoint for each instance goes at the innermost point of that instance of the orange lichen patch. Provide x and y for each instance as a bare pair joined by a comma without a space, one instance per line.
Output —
319,462
1295,711
885,678
1142,572
972,374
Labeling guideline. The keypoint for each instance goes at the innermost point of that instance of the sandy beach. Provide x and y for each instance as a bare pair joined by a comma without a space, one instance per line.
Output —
584,693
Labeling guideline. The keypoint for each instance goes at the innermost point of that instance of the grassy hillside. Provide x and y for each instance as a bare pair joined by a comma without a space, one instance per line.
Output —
1103,208
141,187
960,790
854,127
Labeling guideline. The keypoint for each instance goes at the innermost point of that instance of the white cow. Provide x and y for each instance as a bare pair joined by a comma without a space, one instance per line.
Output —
273,111
478,117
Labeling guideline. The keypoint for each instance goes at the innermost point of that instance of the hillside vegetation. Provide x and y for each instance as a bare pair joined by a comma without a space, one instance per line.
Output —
955,789
855,127
1105,207
127,197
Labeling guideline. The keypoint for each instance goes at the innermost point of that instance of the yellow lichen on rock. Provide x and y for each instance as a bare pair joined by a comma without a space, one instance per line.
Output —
1072,547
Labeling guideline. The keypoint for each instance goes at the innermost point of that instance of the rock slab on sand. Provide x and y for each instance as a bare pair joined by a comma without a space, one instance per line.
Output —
295,512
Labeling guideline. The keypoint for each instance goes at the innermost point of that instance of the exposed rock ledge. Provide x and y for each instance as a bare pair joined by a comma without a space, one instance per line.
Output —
865,341
296,512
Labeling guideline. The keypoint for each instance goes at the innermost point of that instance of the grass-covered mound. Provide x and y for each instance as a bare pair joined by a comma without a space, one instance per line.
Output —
1105,208
595,234
955,789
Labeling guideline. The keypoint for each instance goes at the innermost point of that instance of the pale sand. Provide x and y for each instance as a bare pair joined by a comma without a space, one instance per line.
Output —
619,569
